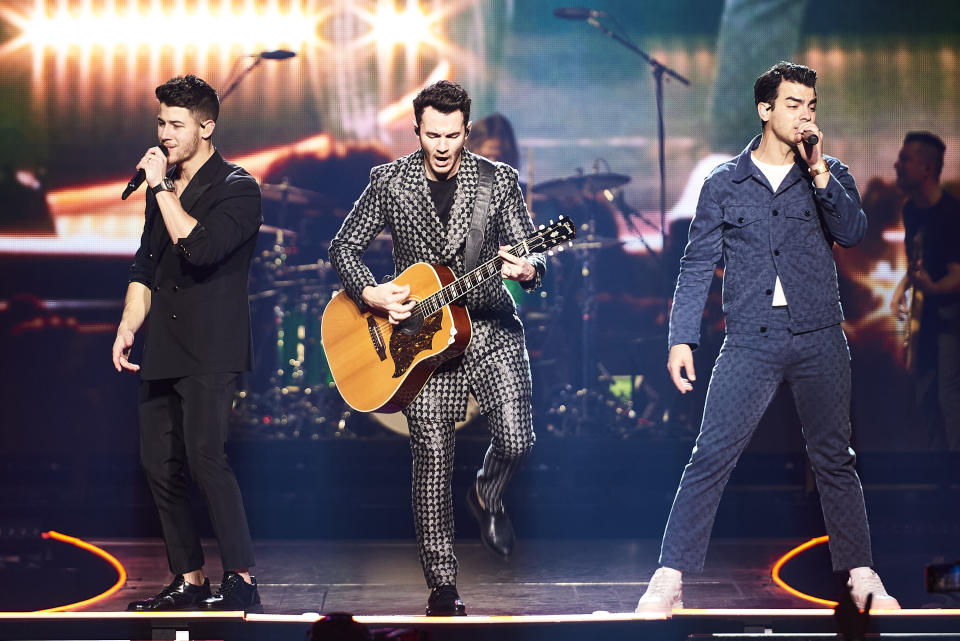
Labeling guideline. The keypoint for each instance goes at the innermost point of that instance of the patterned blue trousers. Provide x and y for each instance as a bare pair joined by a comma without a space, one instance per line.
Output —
748,372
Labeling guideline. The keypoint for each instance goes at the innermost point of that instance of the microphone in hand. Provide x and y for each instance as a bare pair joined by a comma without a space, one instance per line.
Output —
138,178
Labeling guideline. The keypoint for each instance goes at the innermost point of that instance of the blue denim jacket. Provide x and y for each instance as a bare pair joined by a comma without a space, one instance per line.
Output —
760,235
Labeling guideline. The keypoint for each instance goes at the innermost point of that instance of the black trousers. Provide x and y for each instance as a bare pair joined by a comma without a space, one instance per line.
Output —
184,424
937,388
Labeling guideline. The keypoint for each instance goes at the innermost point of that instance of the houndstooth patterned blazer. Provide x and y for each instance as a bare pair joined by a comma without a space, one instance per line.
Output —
495,366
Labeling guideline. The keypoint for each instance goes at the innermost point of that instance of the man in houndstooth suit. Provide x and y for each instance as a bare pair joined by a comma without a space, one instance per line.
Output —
427,201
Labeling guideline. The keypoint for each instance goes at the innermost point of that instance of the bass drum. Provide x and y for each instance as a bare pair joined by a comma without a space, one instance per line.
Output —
397,422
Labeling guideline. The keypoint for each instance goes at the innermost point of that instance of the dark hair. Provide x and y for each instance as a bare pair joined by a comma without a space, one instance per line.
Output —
933,148
495,127
190,93
444,96
768,83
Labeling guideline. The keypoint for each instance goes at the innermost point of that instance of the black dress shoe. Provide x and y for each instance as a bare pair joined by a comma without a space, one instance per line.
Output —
496,531
179,595
444,601
235,594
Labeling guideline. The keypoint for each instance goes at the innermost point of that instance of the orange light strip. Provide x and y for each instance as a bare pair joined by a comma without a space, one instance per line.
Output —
775,573
109,558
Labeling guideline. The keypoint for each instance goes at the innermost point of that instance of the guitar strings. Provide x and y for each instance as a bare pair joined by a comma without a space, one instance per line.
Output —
533,245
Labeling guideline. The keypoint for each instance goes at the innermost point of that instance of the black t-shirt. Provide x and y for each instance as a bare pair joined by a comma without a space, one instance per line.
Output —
940,242
442,192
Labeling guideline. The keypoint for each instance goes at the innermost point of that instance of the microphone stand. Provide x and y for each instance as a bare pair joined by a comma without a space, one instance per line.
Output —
659,70
240,77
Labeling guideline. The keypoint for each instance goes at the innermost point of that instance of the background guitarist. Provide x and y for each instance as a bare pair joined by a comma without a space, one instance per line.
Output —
427,200
933,215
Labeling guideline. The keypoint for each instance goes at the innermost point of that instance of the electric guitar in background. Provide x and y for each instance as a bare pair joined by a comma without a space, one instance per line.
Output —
379,367
911,327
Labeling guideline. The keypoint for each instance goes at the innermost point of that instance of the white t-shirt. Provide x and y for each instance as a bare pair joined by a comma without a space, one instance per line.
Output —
775,175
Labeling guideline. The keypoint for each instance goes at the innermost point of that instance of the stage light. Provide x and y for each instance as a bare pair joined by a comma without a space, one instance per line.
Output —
411,27
130,27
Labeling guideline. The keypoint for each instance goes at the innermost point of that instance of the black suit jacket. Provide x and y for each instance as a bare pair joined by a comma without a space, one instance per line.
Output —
199,320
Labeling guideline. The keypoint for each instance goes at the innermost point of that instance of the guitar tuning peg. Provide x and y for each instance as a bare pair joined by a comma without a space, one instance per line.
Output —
540,227
550,253
570,244
551,221
560,249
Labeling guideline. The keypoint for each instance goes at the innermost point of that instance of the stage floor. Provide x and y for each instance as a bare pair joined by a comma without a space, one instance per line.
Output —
545,577
561,590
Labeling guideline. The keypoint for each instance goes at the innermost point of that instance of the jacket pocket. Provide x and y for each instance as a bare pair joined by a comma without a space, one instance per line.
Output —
744,231
803,226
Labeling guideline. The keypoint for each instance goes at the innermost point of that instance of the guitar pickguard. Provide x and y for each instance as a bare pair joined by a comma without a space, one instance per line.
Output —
404,348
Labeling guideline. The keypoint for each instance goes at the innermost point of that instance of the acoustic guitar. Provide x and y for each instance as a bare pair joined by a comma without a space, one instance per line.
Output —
380,367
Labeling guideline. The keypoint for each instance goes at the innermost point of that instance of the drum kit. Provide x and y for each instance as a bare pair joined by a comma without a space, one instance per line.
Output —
291,394
583,398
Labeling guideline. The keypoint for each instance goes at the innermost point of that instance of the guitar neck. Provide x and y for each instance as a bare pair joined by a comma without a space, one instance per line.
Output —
470,281
545,238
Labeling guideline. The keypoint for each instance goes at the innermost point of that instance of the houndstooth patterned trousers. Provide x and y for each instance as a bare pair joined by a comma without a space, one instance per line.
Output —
748,371
431,443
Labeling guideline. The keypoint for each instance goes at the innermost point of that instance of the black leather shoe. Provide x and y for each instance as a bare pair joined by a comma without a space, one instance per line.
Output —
444,601
235,594
179,595
496,531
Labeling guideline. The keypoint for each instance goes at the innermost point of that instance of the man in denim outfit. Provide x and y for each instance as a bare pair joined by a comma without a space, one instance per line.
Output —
773,214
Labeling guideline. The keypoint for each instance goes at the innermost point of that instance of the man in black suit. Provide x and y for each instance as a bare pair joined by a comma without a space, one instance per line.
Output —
190,275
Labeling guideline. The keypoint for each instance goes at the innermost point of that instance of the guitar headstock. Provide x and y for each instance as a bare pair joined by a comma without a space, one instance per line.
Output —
556,233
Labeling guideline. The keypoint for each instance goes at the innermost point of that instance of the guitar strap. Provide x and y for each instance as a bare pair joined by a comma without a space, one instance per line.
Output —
480,207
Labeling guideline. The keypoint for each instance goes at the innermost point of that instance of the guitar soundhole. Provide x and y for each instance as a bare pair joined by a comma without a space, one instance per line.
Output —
411,325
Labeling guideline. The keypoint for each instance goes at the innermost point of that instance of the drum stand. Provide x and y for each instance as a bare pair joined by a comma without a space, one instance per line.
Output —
299,399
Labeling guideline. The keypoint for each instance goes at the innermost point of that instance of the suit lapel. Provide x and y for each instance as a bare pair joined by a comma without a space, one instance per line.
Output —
198,185
413,196
159,238
201,182
462,209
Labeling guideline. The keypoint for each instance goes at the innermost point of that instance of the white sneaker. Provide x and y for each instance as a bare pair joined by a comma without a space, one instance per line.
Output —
863,582
664,593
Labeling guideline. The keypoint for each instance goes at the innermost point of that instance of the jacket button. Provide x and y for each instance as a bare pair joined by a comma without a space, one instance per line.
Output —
740,220
173,316
763,329
776,212
156,288
151,254
769,291
806,213
176,288
776,252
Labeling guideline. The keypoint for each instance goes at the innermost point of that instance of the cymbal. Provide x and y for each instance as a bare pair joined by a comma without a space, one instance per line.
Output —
595,242
577,185
270,229
285,193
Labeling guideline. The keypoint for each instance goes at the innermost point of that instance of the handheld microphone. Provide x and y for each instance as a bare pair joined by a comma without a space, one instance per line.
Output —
811,139
276,54
577,13
138,178
134,183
